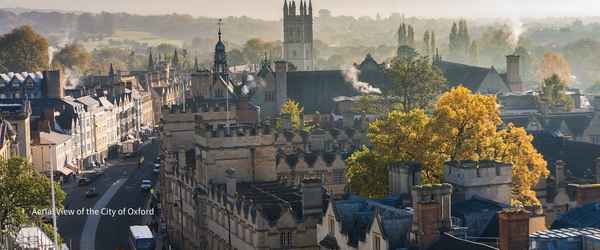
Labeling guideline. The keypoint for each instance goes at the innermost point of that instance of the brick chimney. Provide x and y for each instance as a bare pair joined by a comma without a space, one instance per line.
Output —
432,205
54,84
513,77
513,229
312,197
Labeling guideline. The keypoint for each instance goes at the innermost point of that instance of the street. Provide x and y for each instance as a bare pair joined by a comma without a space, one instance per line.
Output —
118,188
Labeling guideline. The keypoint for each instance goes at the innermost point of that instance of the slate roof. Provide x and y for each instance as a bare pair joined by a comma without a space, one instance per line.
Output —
457,74
518,102
448,241
578,156
270,197
356,216
315,90
486,222
576,122
587,215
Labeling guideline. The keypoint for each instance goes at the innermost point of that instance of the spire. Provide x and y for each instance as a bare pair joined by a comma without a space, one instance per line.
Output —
196,68
286,9
175,59
150,60
220,24
111,71
302,8
305,8
293,8
310,7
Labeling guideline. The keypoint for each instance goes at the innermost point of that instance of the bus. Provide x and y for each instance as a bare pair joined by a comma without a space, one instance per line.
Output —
141,238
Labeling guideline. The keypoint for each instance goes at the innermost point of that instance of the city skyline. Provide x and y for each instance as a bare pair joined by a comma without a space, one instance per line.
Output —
270,9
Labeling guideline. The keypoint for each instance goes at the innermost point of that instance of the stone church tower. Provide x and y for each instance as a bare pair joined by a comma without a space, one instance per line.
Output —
298,35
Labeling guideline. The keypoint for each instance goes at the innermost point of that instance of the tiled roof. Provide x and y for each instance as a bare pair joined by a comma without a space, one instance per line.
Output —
587,215
315,90
457,74
447,242
578,156
479,215
53,138
356,216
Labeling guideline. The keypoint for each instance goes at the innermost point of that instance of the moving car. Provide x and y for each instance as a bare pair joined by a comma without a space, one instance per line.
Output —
84,181
91,192
146,185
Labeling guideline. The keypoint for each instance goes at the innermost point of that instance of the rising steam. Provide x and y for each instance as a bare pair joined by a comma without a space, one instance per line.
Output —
351,75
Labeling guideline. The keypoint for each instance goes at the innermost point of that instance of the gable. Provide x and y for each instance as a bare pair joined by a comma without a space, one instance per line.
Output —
493,84
286,220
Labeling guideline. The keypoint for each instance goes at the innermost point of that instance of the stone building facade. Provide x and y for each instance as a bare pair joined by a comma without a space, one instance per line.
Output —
298,35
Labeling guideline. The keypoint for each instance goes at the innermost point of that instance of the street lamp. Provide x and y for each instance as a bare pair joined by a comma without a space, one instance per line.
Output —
53,206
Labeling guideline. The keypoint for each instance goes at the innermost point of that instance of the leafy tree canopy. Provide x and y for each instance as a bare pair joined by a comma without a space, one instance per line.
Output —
23,50
23,190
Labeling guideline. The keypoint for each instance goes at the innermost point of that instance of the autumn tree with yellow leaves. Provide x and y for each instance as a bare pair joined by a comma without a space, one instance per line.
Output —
462,126
295,111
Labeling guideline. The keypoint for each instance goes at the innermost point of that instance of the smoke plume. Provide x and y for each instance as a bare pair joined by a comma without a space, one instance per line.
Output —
351,76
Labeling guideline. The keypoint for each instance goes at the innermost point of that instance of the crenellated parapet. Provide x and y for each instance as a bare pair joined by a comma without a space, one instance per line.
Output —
315,160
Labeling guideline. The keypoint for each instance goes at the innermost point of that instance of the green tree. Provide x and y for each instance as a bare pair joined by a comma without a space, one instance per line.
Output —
415,82
295,111
367,173
255,49
23,191
23,50
72,56
554,96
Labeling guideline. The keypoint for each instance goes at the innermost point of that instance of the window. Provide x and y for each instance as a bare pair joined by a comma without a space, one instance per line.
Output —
595,139
331,225
286,239
376,242
270,96
338,176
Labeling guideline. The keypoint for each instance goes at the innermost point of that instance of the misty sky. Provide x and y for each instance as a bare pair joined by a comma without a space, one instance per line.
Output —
271,9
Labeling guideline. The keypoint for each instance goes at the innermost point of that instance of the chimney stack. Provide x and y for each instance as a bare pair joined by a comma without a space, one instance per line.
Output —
597,170
312,197
513,77
559,172
514,229
54,84
432,213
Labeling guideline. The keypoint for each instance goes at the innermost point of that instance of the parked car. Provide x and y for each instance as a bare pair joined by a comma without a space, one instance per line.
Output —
84,181
156,169
146,185
91,192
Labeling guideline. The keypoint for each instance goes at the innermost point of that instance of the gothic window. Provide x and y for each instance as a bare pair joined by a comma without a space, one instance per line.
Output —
376,242
286,239
331,225
294,53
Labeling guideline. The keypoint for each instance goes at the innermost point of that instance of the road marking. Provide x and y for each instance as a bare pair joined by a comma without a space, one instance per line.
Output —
88,236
